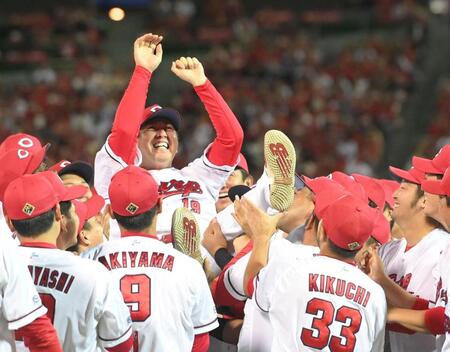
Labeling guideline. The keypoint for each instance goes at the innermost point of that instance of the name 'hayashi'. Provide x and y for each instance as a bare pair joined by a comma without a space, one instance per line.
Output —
338,287
118,260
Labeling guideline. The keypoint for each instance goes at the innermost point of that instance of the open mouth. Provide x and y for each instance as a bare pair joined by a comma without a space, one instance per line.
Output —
164,145
223,195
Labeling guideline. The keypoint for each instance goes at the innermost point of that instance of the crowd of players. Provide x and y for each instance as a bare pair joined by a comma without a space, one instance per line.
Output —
134,254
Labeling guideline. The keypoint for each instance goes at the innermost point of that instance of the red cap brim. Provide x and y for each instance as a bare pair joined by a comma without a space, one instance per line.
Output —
434,187
36,159
403,174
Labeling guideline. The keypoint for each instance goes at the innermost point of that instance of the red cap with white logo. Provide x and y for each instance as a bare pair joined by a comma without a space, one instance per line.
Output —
156,112
27,148
437,165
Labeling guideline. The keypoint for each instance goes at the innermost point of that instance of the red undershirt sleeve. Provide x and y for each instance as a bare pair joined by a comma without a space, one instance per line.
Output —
124,346
201,343
227,145
40,336
436,320
420,304
129,114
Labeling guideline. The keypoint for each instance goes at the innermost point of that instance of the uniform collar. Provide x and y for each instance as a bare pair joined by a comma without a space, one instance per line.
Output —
38,245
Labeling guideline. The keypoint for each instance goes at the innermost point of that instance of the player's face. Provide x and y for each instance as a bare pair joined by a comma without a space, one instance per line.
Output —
235,179
405,201
68,235
299,212
158,143
94,232
70,180
433,203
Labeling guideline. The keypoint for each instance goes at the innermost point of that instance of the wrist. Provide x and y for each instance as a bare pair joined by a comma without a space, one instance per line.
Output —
199,82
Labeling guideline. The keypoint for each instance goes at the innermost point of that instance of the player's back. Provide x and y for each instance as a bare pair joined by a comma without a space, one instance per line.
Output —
77,292
166,291
325,304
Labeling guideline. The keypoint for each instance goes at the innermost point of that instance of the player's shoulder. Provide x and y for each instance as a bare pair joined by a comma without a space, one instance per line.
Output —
439,235
391,248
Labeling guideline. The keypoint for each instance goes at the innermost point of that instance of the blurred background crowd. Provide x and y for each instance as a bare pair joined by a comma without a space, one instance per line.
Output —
355,84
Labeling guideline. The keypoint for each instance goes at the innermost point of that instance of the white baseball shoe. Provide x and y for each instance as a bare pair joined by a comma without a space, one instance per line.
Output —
186,233
280,160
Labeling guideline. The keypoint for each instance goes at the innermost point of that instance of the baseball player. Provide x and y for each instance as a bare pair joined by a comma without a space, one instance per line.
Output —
83,304
19,154
321,302
74,174
166,291
422,238
149,137
22,311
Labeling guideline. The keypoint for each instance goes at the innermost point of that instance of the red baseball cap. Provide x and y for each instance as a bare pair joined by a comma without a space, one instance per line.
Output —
437,165
133,191
350,184
412,175
381,228
156,112
348,222
12,167
389,187
88,209
242,163
64,193
80,168
374,191
439,187
29,196
325,197
28,149
321,184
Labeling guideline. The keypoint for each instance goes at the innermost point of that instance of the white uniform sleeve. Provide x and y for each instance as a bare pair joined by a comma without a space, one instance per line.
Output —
212,176
114,321
234,278
20,302
204,315
378,343
106,165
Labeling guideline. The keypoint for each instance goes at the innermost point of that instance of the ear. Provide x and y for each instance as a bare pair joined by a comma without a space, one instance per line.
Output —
249,181
159,206
109,210
9,222
321,235
58,214
83,238
422,201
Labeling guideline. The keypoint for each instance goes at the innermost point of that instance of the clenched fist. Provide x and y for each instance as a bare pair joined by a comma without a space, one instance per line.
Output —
148,51
189,69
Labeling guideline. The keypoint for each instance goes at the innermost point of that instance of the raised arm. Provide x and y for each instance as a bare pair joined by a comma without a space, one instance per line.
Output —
227,145
127,121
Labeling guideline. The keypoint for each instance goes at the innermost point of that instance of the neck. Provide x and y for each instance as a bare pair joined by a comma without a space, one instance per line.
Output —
46,237
327,252
415,228
151,230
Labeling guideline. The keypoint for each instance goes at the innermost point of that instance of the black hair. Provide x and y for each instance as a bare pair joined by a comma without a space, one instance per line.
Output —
341,252
448,200
136,222
65,208
244,173
35,226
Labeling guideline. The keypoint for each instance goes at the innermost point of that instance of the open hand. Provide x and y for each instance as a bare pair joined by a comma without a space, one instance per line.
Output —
148,51
253,220
189,69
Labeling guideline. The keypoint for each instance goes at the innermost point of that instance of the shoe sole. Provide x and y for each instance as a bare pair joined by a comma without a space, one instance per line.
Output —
186,233
280,158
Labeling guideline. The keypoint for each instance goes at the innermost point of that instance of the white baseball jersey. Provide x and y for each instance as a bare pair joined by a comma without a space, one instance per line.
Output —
415,270
83,304
19,302
5,232
443,341
166,291
322,303
256,332
195,186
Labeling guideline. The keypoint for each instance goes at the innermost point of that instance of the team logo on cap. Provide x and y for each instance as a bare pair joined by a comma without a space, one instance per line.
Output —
132,208
28,209
352,246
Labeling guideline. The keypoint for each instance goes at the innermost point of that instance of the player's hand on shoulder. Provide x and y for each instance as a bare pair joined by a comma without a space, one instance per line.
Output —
213,238
148,51
256,223
189,69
